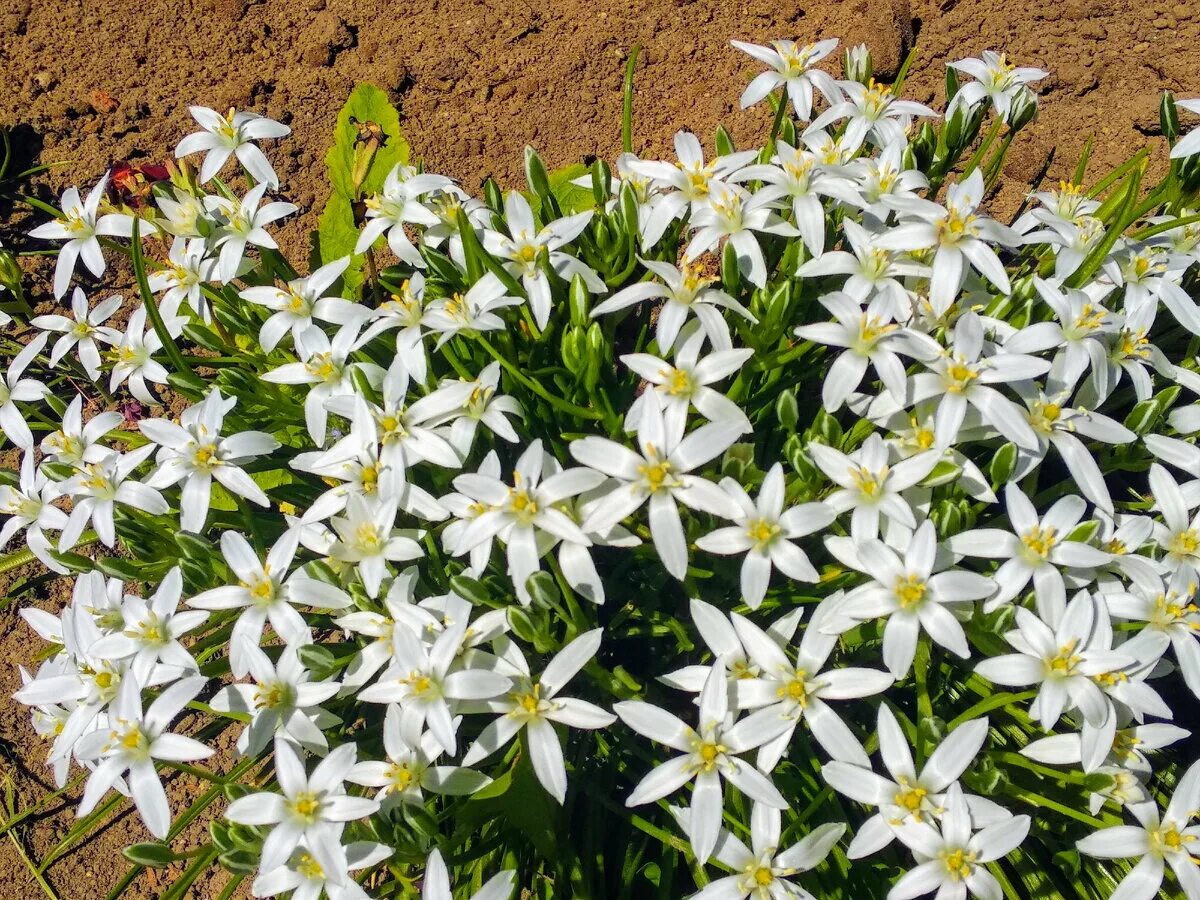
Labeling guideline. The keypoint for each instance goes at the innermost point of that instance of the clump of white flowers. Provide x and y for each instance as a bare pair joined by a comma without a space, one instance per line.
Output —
764,523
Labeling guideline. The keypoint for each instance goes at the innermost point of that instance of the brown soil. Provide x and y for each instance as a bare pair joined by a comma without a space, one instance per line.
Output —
87,83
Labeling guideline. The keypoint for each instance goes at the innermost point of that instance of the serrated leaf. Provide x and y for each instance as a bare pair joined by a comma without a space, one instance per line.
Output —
366,104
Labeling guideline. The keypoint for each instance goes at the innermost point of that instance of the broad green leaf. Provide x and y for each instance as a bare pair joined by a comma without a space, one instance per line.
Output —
571,197
367,104
337,236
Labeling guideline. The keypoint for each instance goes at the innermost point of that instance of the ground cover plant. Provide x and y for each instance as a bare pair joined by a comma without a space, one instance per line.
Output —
768,522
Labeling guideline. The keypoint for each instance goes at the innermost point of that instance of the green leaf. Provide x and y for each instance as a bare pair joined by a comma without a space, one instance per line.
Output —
336,237
571,197
367,104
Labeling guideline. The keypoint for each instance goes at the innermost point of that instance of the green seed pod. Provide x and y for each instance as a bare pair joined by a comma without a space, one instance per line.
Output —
1003,464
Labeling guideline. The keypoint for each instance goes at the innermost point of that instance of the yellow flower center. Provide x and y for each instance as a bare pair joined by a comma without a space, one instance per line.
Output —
310,868
762,532
305,806
1040,541
958,863
1185,543
1064,662
910,591
869,483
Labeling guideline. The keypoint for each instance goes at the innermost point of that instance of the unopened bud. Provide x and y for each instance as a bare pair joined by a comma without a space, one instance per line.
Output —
1022,111
856,62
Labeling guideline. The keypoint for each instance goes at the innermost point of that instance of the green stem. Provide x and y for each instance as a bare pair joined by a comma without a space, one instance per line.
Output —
627,104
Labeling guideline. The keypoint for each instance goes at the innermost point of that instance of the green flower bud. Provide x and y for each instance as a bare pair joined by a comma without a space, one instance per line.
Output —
1003,464
579,301
787,411
724,142
1023,110
596,356
535,174
601,182
10,272
543,591
731,276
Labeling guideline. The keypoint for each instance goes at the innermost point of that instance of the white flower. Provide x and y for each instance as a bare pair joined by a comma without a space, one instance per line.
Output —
963,376
188,269
797,176
399,203
1189,144
764,532
791,691
958,234
151,631
907,795
405,312
304,300
762,871
195,453
266,593
684,185
15,389
97,487
469,313
282,702
424,681
526,249
437,882
28,506
1064,662
83,330
869,486
1036,547
368,538
793,66
82,226
734,214
483,405
872,271
534,706
331,373
302,877
660,474
1157,840
685,384
408,770
309,808
872,111
686,292
244,223
133,742
996,79
952,860
232,135
870,338
75,442
525,513
908,594
709,754
133,357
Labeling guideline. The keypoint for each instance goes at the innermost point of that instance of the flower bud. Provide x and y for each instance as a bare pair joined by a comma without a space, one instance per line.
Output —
10,272
1022,111
573,346
857,64
542,590
1003,464
724,142
493,196
535,174
596,356
787,411
1168,117
579,301
601,182
731,276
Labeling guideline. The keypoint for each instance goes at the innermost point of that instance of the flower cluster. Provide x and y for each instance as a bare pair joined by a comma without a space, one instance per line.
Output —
766,497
